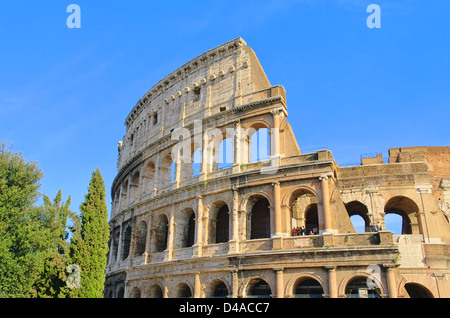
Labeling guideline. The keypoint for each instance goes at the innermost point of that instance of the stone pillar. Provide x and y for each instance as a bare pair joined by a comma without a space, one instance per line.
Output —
238,151
279,293
197,248
332,282
233,245
235,283
197,285
391,281
171,235
277,208
326,209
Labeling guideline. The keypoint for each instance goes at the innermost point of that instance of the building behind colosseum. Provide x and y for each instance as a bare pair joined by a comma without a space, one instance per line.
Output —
211,183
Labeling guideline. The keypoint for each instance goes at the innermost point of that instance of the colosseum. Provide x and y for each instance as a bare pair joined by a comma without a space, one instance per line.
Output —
213,198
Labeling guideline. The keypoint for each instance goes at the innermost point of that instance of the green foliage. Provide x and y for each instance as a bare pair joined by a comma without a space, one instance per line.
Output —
89,245
20,246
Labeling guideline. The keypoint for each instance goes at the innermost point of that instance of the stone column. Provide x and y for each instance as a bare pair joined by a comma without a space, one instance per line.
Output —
235,283
277,208
279,282
332,282
197,285
197,248
233,245
391,281
326,209
171,236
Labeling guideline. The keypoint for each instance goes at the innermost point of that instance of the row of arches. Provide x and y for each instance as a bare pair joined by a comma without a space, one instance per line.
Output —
185,161
258,287
304,210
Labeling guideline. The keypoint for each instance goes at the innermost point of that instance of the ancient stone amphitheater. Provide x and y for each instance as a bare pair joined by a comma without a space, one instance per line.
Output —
213,198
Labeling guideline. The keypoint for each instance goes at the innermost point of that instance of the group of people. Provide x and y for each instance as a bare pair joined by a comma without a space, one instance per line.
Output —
301,231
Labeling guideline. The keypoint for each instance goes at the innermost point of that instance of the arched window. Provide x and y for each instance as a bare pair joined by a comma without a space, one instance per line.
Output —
308,288
226,154
141,238
217,289
407,210
160,234
417,291
259,145
135,293
155,292
222,225
167,170
359,216
259,288
260,219
358,288
134,187
185,229
126,242
149,178
304,216
182,290
197,162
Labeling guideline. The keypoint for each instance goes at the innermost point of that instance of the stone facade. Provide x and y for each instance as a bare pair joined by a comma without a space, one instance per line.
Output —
207,227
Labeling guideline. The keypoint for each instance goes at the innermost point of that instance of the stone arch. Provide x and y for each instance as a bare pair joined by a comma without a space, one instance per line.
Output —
148,178
166,169
256,141
141,238
134,186
258,216
126,241
135,292
217,288
308,286
257,287
303,208
160,234
416,290
124,195
155,291
363,277
357,208
407,209
182,290
219,222
185,228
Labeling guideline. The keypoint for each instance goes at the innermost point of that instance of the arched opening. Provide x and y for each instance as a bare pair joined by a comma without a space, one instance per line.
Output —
116,244
304,216
160,234
141,238
219,223
155,292
185,229
167,170
126,242
358,288
308,288
417,291
359,216
121,292
182,290
259,288
197,162
394,223
149,178
134,187
259,145
407,210
259,217
135,293
124,195
217,289
225,154
311,220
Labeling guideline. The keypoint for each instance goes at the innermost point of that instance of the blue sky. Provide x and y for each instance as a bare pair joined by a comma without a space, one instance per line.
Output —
65,93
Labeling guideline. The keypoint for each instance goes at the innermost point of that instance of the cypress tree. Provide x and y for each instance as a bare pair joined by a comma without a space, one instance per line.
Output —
89,245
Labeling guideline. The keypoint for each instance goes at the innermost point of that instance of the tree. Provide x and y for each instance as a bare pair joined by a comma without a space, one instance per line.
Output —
20,224
89,244
53,275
